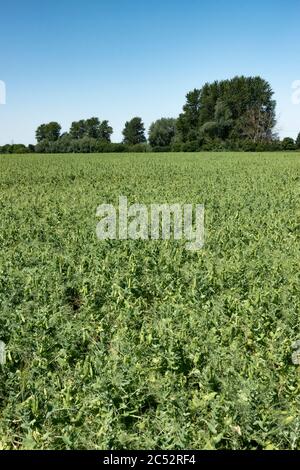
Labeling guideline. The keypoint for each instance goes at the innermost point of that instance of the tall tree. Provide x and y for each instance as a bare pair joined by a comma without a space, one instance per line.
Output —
78,129
298,141
49,132
240,108
134,132
288,143
105,131
162,132
91,128
188,121
222,123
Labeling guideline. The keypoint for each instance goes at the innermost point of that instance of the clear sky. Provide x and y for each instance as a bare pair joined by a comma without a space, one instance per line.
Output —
71,59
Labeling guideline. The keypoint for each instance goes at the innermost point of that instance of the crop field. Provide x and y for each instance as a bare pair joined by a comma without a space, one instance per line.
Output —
143,344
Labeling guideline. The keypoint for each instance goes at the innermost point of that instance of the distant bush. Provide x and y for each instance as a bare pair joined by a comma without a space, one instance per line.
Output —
138,148
15,148
192,146
288,144
65,144
162,133
159,149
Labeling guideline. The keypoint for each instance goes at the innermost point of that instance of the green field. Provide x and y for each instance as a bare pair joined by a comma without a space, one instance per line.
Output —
145,345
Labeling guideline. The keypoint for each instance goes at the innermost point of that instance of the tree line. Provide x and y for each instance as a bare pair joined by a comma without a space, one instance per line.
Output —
234,114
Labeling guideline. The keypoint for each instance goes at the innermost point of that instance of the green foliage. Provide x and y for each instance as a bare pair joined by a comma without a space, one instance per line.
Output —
19,148
105,131
91,128
86,145
241,109
78,129
162,133
188,121
48,132
16,148
236,114
134,132
288,144
144,345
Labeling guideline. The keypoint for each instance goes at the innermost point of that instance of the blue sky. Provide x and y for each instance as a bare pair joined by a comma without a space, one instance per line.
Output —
68,60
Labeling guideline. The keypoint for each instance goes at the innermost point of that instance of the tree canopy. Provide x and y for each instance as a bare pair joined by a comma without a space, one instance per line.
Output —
288,144
49,132
92,128
134,132
233,114
162,133
240,108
